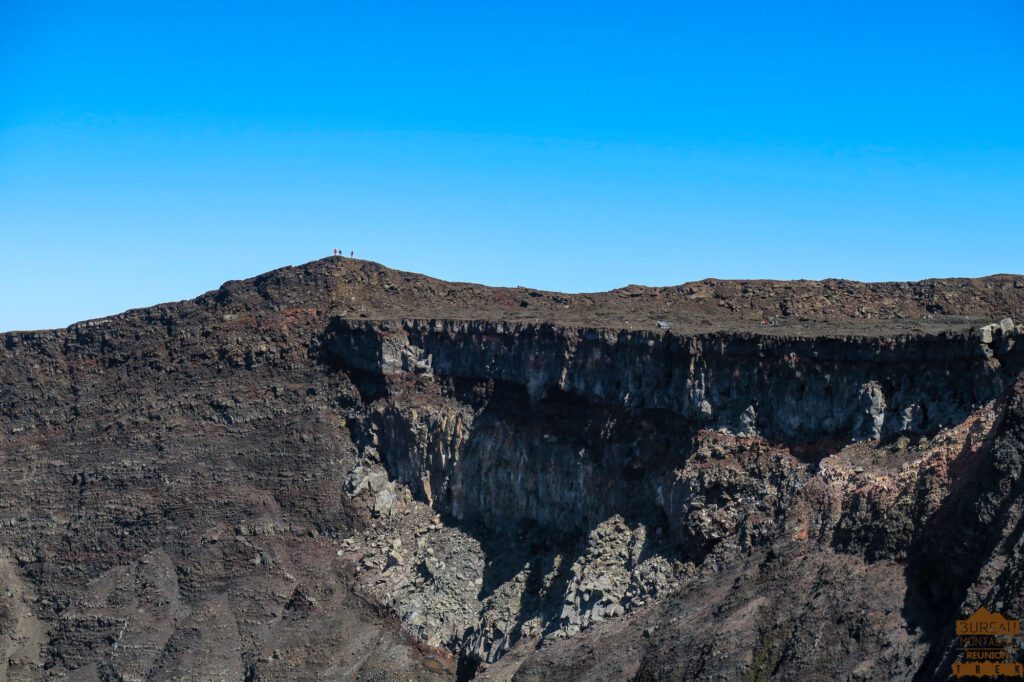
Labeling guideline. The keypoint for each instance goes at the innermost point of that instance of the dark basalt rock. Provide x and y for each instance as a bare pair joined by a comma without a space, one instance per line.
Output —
341,471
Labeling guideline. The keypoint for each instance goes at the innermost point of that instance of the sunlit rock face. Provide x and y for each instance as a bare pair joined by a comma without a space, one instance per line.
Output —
340,471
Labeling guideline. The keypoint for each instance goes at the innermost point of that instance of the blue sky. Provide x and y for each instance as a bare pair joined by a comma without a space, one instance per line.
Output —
150,151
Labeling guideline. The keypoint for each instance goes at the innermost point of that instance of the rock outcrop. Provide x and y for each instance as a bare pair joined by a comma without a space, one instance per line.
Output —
340,471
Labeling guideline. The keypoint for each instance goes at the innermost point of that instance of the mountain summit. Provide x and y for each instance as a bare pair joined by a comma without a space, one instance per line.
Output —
341,471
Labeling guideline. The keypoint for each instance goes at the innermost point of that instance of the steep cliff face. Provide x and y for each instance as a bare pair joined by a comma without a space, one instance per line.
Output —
689,447
788,389
561,427
339,470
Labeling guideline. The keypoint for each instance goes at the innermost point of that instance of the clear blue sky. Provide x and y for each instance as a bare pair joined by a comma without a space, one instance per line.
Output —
150,151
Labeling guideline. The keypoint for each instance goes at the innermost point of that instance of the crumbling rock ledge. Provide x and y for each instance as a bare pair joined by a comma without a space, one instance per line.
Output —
786,389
